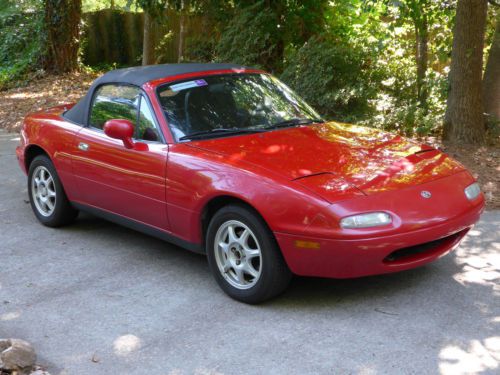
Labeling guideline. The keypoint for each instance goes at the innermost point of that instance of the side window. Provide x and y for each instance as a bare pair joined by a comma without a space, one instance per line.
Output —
146,129
114,102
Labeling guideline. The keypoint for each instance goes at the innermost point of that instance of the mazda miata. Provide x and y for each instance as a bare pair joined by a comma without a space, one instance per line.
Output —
229,162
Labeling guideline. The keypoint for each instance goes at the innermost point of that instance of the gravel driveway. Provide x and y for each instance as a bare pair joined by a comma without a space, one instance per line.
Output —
96,298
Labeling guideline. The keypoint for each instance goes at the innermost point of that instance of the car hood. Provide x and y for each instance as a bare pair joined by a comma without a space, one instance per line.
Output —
335,160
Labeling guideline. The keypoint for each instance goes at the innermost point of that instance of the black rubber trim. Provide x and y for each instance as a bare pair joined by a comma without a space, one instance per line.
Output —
141,227
420,249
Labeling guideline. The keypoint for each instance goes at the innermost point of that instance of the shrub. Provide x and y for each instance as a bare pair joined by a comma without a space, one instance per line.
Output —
333,76
252,38
21,43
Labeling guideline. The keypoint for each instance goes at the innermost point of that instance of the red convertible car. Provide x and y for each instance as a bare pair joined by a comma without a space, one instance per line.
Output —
229,162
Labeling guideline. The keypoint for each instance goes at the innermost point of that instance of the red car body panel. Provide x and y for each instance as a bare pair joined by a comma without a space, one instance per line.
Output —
301,180
346,156
110,175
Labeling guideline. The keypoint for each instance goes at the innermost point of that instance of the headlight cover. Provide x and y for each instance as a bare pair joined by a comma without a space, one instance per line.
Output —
368,220
472,191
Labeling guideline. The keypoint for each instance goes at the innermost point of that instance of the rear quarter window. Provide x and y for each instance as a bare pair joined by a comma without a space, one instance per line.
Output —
114,102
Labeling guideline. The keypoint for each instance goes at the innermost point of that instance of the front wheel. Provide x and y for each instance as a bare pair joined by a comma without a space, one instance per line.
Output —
244,256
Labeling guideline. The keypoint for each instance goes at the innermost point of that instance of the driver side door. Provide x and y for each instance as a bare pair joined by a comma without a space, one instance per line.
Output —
110,177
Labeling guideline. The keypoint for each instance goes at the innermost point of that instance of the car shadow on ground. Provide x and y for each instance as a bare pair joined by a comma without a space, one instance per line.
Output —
311,291
308,291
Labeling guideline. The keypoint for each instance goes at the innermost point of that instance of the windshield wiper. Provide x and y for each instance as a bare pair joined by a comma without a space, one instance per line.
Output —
216,131
294,122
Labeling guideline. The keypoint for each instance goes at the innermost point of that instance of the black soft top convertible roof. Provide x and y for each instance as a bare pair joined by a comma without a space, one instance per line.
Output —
138,76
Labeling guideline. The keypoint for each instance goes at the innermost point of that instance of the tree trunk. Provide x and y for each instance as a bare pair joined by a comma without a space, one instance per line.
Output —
275,60
491,80
464,120
422,43
182,30
147,41
62,22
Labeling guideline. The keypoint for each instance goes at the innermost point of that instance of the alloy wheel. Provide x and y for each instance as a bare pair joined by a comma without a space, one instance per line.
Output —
43,191
238,254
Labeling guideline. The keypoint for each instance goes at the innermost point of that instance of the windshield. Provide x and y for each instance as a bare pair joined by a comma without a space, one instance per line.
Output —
239,102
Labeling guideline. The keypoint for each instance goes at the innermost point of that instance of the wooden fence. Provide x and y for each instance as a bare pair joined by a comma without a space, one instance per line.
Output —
113,36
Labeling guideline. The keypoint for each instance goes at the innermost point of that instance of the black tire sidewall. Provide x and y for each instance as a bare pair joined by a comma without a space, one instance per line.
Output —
274,274
63,211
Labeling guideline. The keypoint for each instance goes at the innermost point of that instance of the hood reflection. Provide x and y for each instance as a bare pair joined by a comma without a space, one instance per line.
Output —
368,159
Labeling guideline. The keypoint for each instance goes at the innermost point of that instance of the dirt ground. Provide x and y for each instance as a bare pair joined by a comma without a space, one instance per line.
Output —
484,162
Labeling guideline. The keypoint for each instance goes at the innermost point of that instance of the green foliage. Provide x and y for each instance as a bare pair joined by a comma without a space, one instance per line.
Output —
406,116
251,38
332,75
95,5
397,106
154,7
21,40
200,49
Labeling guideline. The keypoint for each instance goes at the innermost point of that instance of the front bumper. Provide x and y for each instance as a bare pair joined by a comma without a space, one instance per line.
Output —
349,258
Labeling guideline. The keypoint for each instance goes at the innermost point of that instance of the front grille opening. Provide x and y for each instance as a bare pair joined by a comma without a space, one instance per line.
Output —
422,250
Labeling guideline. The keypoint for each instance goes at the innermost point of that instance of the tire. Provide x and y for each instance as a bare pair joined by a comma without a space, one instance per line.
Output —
247,264
47,197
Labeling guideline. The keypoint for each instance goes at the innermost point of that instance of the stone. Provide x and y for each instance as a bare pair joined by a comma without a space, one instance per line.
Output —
4,344
19,356
39,372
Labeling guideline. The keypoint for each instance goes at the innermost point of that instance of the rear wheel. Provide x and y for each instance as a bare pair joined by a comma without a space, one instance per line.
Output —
244,256
47,197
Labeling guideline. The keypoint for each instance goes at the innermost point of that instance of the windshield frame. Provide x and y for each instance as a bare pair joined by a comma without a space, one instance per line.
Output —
164,84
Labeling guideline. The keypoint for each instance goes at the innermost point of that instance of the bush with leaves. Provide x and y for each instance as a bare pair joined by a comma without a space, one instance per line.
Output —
199,49
333,76
396,107
21,40
252,38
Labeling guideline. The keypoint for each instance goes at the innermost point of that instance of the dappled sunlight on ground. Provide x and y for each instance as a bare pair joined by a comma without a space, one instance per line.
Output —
198,371
479,264
478,259
10,316
478,357
126,344
367,371
42,93
25,95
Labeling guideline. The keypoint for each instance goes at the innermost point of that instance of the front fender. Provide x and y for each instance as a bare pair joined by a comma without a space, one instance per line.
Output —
195,177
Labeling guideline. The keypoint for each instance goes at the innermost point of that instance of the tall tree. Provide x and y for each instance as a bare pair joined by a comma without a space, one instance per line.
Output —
153,10
418,11
421,53
464,121
491,80
182,29
62,23
147,40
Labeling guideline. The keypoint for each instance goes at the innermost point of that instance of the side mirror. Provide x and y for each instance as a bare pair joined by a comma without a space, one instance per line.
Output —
120,129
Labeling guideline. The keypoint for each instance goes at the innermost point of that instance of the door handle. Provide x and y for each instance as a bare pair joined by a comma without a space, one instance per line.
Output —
83,146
